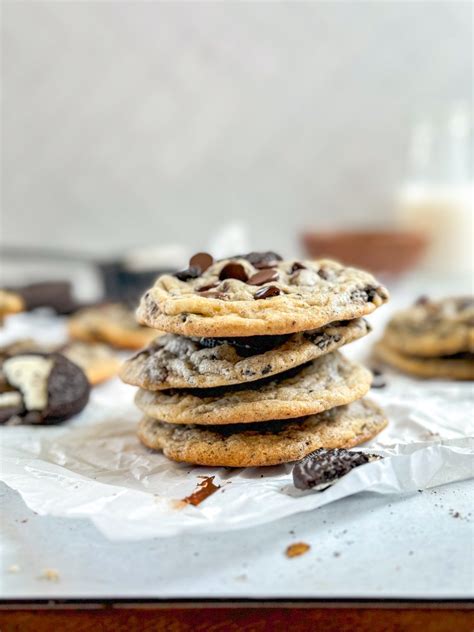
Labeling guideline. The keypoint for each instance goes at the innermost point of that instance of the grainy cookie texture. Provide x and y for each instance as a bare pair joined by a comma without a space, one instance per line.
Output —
177,362
433,328
329,381
258,294
271,443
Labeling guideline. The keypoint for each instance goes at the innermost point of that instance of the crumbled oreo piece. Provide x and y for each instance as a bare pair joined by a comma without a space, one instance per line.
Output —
247,346
324,467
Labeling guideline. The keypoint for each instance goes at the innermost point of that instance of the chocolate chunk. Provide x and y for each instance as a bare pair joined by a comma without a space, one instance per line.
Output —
264,276
68,390
267,292
261,260
297,266
233,271
190,273
323,467
201,260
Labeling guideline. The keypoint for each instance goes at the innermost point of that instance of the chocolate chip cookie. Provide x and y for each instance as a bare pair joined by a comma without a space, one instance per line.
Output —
454,367
258,294
433,328
329,381
177,362
113,324
270,443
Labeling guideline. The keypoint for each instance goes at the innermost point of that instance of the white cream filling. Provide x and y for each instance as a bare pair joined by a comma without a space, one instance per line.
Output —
29,373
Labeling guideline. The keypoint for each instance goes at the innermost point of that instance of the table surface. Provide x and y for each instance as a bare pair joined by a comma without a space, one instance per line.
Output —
419,546
414,547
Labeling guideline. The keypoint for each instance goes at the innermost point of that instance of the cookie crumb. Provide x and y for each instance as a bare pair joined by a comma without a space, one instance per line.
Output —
50,574
14,568
296,549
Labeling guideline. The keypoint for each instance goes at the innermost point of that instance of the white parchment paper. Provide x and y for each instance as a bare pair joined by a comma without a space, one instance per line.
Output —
93,466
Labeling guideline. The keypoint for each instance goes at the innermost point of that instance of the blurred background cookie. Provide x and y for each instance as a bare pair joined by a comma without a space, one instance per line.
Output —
113,324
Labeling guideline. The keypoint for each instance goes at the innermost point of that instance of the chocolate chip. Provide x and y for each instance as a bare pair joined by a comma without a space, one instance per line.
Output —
233,271
324,467
267,292
262,260
297,266
201,260
190,273
264,276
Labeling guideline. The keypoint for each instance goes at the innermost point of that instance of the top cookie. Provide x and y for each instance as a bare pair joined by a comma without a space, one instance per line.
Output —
433,328
258,294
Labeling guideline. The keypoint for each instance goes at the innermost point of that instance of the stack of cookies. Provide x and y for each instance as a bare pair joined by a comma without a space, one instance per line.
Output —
432,339
249,372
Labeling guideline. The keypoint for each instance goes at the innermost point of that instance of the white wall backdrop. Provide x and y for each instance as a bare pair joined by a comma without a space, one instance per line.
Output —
147,122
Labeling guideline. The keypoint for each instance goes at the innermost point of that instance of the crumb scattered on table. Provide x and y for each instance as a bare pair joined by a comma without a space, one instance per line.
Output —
50,574
296,549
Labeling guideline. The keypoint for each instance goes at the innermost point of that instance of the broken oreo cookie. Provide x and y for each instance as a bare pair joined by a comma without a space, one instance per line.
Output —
41,388
324,467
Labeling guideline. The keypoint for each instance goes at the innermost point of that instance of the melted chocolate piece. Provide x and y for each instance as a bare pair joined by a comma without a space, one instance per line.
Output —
324,467
264,276
233,271
267,292
246,346
201,260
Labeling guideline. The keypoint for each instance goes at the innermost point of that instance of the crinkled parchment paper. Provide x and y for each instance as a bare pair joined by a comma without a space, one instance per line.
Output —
93,466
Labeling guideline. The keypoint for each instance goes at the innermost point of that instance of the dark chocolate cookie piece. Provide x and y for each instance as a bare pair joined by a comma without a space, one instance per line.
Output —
323,467
68,390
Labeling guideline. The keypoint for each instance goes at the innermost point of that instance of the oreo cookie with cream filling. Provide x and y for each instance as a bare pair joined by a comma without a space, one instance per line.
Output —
41,388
